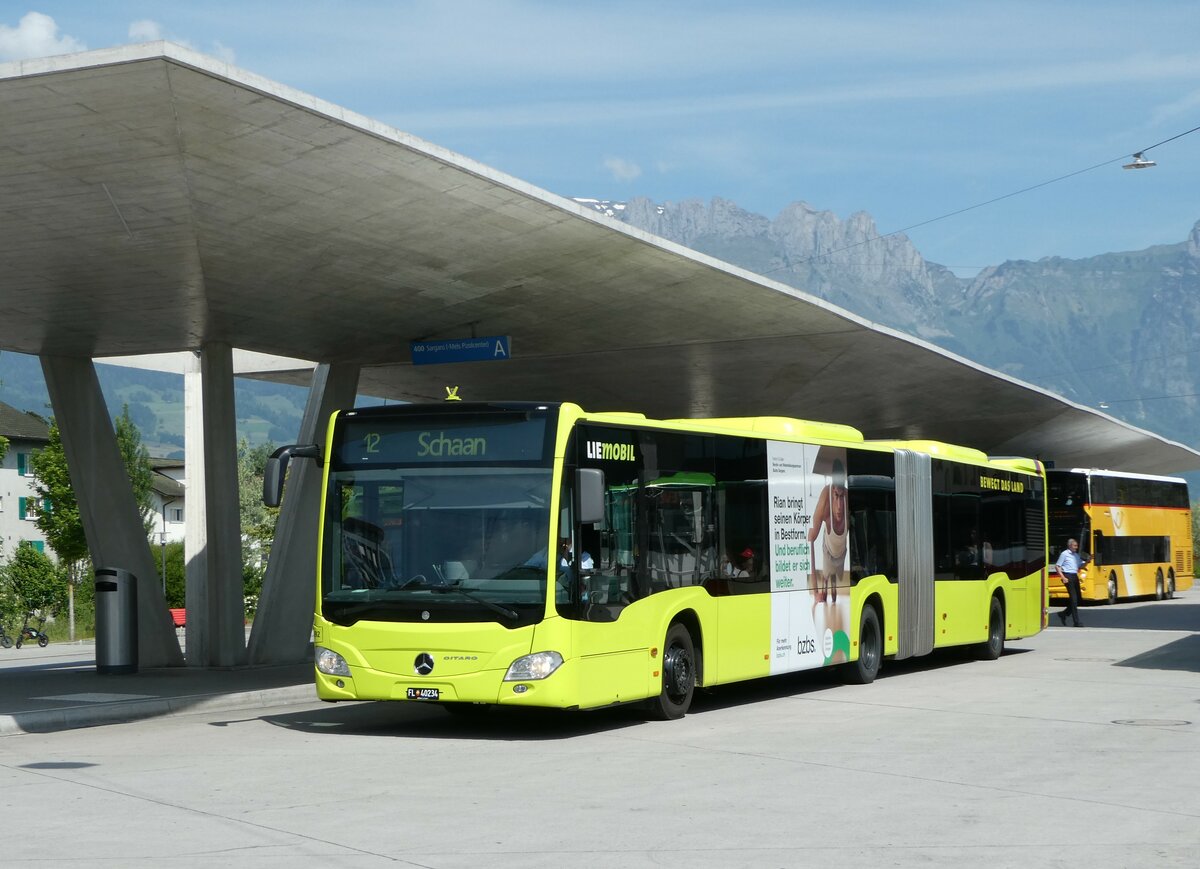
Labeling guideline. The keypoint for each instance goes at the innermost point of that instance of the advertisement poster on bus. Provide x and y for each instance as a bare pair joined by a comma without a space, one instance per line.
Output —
810,555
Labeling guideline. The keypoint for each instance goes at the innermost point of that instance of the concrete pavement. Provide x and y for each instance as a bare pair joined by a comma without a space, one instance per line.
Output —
58,688
1077,747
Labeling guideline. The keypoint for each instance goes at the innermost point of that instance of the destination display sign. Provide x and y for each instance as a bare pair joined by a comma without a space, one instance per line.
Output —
494,348
446,439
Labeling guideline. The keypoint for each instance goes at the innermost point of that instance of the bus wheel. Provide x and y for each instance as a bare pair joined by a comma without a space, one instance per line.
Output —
870,650
994,647
1160,589
678,676
1170,583
1112,587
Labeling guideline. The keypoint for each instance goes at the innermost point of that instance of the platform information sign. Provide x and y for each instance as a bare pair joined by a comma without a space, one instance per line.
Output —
492,348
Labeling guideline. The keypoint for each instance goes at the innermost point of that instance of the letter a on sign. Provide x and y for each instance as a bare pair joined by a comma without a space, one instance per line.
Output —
500,350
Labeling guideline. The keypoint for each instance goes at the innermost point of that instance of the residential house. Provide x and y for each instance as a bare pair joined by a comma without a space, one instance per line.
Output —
19,504
166,492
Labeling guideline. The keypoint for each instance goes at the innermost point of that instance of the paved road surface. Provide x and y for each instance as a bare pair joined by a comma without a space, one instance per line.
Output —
1077,748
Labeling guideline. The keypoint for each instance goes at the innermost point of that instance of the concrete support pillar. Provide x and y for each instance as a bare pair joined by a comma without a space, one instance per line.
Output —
213,545
107,507
284,620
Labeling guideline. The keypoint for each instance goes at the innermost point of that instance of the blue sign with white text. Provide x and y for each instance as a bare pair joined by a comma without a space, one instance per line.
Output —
489,349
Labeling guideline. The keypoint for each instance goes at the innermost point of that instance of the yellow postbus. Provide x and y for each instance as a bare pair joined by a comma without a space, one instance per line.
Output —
525,554
1135,529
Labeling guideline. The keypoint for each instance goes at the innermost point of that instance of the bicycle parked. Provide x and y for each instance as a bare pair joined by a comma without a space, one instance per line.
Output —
29,632
5,640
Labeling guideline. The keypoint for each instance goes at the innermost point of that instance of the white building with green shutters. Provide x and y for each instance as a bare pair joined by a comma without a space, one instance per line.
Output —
26,433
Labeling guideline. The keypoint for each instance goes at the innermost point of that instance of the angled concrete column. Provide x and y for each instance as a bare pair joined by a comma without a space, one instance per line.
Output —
216,634
284,620
107,507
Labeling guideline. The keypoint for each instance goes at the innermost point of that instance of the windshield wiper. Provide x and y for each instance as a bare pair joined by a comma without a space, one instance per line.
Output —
494,607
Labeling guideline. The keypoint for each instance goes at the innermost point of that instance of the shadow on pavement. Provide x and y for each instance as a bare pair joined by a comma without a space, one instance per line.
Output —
432,721
1153,615
1182,654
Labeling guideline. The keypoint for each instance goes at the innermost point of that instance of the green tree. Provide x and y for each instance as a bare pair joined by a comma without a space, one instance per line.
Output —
137,465
39,584
257,521
10,606
3,447
1196,533
61,522
176,581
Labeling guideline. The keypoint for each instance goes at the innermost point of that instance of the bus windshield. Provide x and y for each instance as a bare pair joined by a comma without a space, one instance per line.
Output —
457,532
1067,495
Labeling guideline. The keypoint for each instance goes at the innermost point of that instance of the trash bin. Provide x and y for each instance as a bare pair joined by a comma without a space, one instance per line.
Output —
116,621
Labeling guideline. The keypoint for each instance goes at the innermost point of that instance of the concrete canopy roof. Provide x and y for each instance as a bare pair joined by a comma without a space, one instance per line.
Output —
153,199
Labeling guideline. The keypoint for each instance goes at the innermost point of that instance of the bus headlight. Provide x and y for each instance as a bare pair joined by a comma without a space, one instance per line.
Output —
530,668
331,663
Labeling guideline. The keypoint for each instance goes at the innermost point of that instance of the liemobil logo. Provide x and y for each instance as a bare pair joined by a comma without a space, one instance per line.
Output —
610,452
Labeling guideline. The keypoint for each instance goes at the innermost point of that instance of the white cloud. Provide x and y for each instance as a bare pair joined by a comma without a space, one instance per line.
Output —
36,35
145,31
1184,107
224,52
1054,77
621,169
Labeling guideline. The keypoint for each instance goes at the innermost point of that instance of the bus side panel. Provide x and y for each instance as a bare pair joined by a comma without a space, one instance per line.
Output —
743,644
888,599
616,666
962,611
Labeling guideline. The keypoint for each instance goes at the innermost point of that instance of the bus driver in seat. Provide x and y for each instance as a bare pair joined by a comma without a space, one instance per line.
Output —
830,518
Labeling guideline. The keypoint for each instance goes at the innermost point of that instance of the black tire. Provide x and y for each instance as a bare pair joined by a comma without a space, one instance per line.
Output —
1170,584
993,647
1112,587
43,641
6,642
18,644
870,650
679,667
1160,587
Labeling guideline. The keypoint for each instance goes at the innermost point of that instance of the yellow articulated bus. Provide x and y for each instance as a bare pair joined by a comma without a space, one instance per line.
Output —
1136,530
525,554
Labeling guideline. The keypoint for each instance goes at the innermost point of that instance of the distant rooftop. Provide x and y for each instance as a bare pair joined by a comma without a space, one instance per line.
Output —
22,425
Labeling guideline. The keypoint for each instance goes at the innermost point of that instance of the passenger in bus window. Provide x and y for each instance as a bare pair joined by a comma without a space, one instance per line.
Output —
740,565
829,523
973,553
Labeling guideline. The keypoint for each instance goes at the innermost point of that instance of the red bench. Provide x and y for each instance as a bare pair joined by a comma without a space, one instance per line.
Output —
178,617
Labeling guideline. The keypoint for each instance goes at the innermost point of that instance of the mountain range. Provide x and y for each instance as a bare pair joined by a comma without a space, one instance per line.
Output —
1133,318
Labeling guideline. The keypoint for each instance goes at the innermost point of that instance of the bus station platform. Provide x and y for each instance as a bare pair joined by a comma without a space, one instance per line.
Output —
58,688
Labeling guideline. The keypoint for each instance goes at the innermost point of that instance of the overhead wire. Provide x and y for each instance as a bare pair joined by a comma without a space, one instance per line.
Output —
991,201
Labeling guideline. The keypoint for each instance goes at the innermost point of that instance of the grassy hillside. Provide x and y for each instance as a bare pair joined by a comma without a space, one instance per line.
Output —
266,412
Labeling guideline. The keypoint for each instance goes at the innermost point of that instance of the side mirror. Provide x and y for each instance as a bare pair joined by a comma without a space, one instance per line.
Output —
275,471
589,489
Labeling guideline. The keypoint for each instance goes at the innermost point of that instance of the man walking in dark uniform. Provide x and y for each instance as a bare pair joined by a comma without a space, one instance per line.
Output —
1068,568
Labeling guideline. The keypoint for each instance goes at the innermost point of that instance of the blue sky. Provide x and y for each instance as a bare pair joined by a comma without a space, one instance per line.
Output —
908,111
